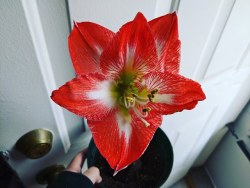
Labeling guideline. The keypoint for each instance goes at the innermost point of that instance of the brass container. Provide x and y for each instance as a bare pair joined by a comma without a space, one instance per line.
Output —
35,144
49,174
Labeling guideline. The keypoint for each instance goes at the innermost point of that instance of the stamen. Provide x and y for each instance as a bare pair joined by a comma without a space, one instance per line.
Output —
125,101
141,99
140,116
151,97
133,104
147,124
129,99
146,109
134,95
154,91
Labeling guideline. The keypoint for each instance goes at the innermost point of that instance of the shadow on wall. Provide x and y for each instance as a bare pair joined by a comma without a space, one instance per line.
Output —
8,177
229,166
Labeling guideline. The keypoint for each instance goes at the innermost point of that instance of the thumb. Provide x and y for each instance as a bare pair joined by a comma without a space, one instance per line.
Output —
93,173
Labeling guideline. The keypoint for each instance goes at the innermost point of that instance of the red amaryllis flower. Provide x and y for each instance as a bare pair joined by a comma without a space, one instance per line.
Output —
125,83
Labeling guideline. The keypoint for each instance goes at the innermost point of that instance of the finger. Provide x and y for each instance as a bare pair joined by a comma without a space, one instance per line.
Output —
99,180
77,162
93,174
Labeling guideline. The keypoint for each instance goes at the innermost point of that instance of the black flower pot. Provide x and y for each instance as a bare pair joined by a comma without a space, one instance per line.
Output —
150,171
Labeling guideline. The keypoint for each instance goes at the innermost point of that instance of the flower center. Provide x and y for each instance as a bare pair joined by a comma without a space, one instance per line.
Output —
129,97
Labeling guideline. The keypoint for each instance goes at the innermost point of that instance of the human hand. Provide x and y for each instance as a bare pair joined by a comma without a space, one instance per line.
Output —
76,164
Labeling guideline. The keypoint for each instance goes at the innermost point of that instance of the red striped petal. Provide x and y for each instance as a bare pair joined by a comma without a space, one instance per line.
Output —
139,141
176,92
87,96
86,42
132,49
165,31
107,139
113,144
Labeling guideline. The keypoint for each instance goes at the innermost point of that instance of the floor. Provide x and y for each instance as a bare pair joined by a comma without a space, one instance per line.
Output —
180,184
196,178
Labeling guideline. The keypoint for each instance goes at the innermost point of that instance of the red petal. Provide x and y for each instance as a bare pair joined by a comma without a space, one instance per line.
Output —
176,92
132,49
139,141
106,136
86,42
113,146
87,96
165,31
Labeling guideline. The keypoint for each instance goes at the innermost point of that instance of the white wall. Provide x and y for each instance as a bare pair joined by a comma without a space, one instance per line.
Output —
33,35
228,166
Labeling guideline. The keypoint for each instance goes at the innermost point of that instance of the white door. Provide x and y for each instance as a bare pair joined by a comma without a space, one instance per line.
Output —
215,52
34,61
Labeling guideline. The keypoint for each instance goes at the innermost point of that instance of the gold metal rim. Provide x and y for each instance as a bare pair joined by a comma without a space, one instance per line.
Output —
49,174
35,143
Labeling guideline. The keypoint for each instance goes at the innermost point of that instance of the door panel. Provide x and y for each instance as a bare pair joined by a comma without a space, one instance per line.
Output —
114,13
219,61
201,24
